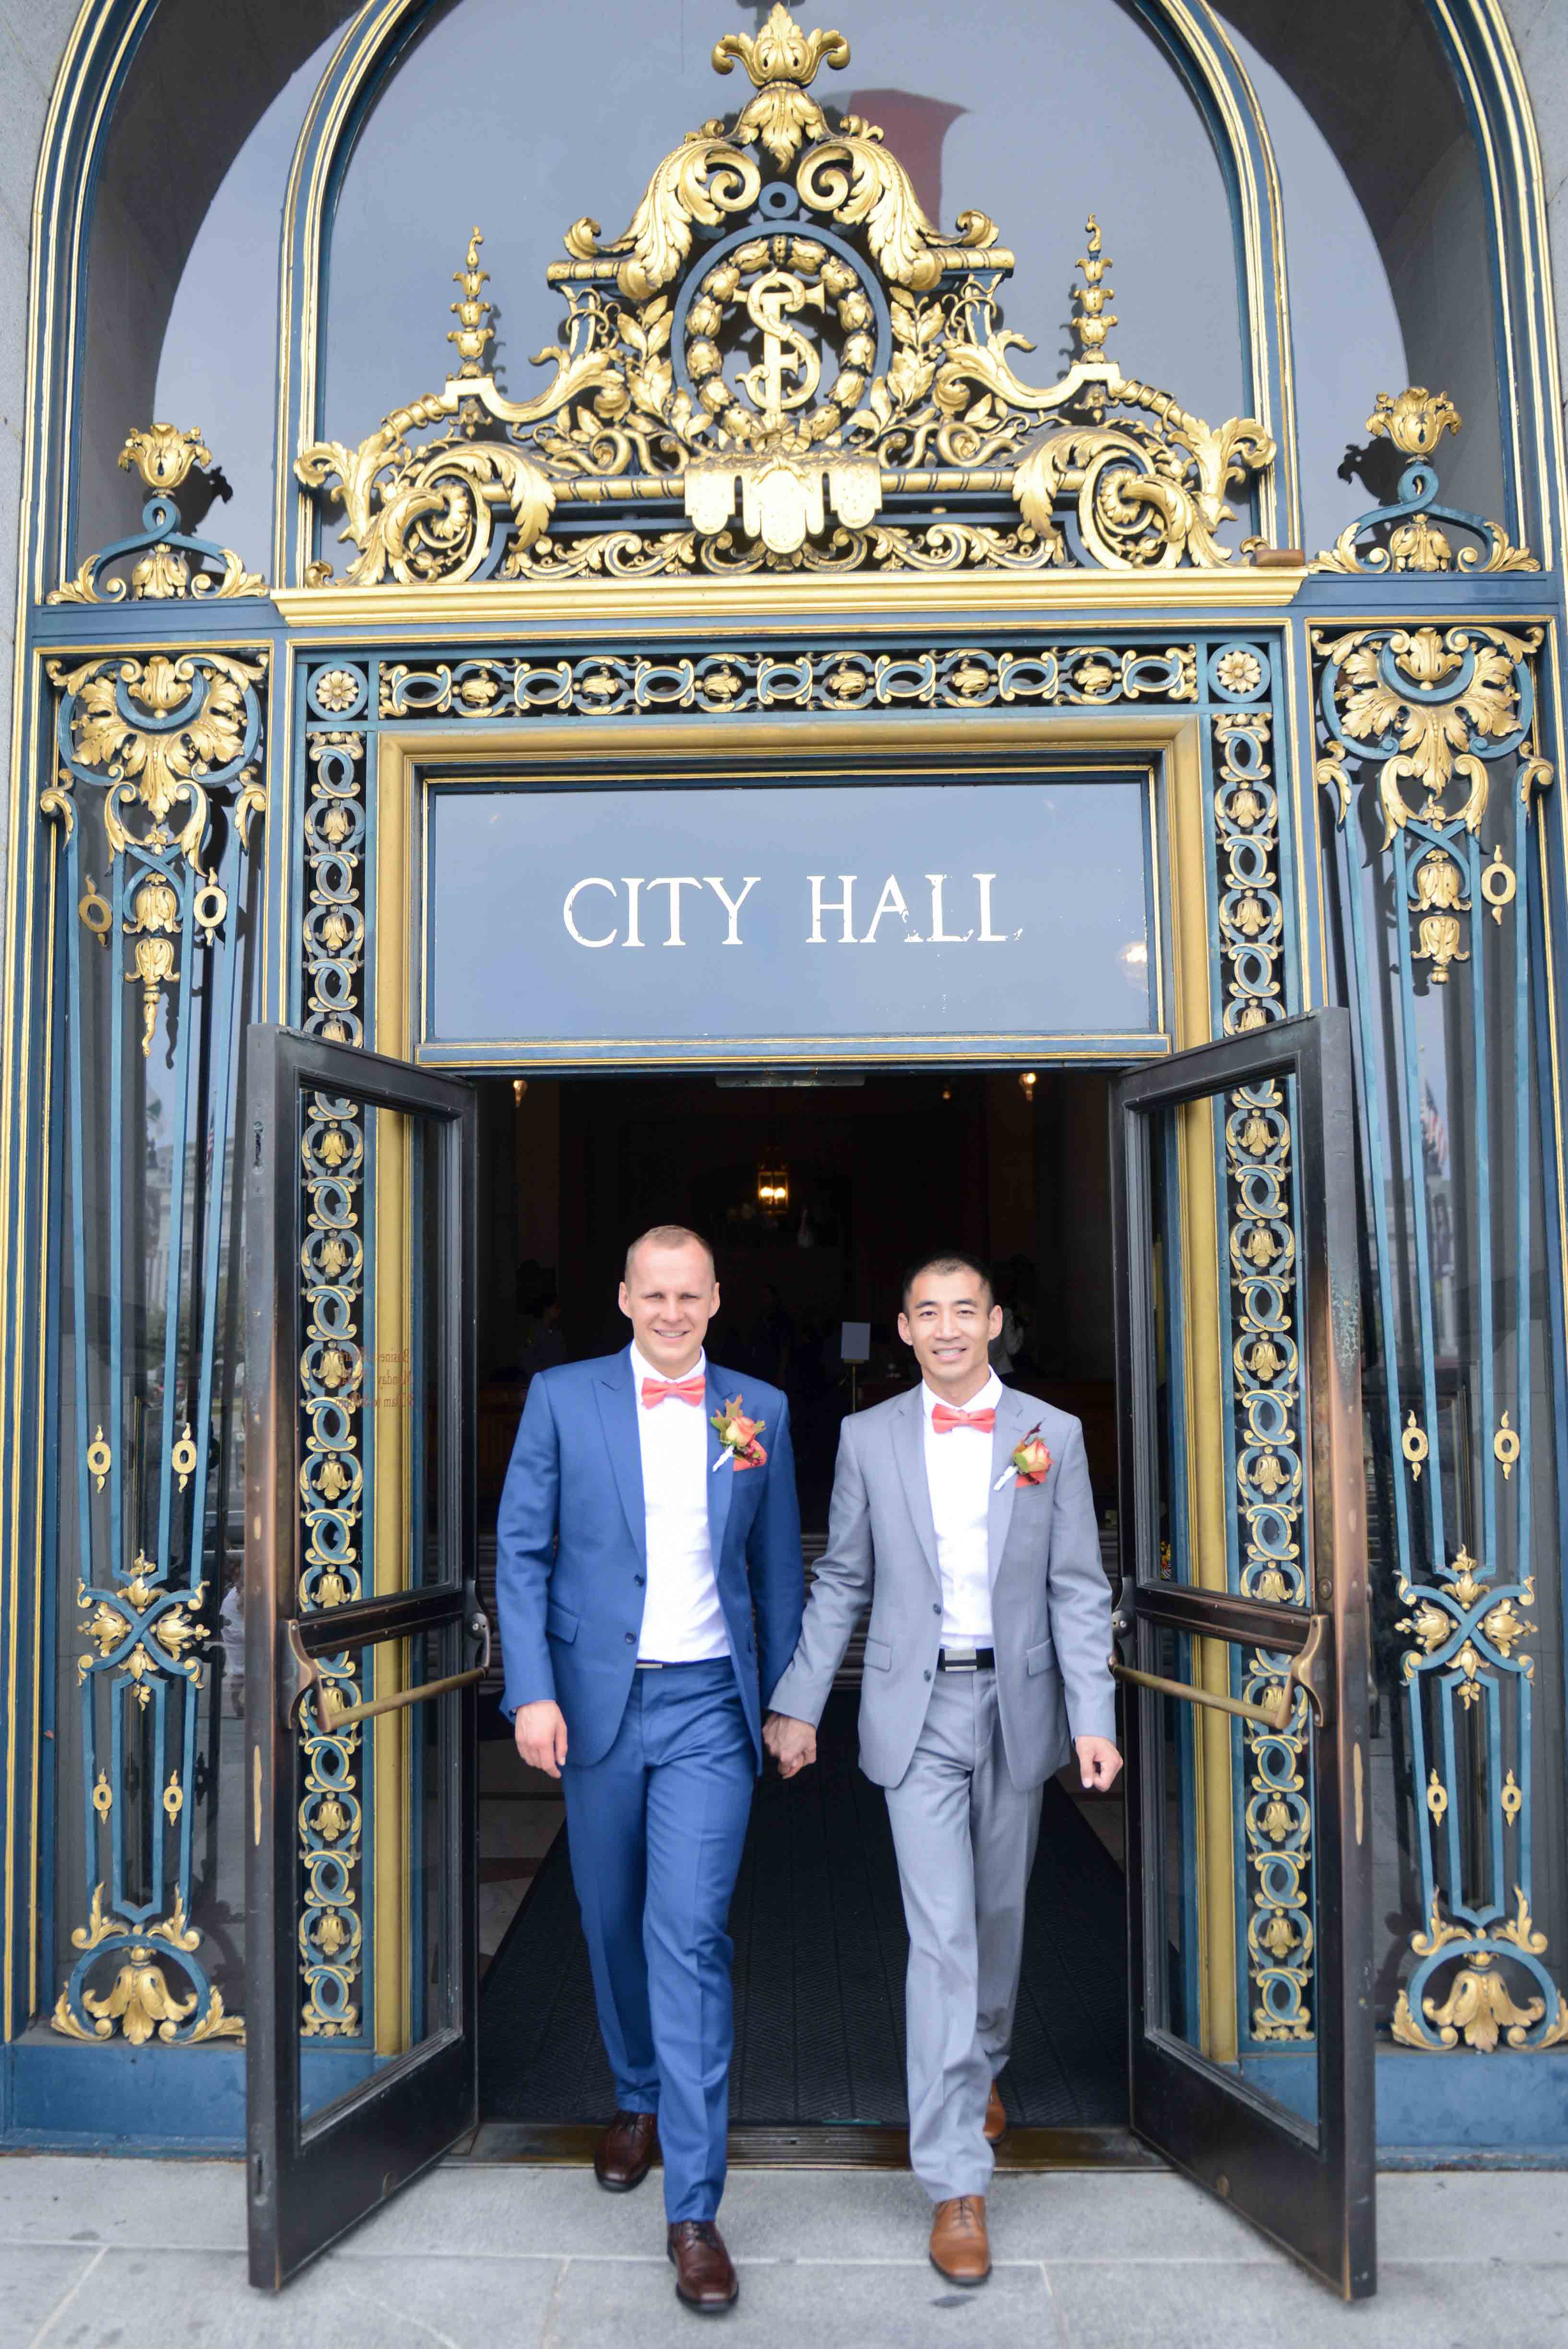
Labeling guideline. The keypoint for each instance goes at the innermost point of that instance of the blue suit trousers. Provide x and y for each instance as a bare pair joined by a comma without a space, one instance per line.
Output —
655,1829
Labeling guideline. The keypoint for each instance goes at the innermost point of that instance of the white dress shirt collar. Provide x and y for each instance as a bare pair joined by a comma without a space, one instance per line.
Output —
989,1396
643,1368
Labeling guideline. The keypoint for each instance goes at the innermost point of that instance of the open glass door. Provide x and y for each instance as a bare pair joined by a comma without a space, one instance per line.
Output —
1242,1632
364,1637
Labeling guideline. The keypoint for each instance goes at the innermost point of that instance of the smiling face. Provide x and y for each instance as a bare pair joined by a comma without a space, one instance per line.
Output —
669,1299
950,1319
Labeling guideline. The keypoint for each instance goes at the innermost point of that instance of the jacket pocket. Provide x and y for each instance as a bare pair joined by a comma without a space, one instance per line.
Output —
1041,1658
879,1656
559,1623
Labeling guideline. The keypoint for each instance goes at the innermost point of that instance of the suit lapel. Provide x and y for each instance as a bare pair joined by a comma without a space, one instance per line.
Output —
909,1450
618,1413
720,1481
1012,1426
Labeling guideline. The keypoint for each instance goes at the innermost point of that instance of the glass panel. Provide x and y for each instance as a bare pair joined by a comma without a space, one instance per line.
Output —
968,117
373,1516
1467,1747
144,1795
377,1519
1226,1860
1227,1365
182,259
525,917
1227,1515
398,1964
1394,232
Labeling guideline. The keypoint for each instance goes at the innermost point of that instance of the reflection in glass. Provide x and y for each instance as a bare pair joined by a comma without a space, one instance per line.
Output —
146,1793
182,254
1467,1762
1388,235
440,152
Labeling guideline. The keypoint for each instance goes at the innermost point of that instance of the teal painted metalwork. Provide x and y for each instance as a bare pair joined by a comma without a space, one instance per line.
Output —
158,760
1424,707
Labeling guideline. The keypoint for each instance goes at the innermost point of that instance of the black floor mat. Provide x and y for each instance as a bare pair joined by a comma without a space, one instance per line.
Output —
819,1950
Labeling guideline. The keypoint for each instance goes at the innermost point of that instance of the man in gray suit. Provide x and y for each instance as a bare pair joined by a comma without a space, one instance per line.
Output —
961,1511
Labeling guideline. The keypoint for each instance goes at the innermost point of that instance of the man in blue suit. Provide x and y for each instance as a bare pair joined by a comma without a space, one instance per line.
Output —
649,1582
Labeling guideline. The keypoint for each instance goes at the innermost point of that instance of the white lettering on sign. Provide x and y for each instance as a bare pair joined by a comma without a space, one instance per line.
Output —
891,902
891,905
844,905
567,917
894,901
675,884
732,905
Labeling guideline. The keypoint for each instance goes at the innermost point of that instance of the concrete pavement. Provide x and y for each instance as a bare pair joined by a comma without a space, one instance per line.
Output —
98,2254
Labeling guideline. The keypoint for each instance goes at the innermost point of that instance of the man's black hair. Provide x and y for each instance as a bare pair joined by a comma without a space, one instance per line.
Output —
947,1261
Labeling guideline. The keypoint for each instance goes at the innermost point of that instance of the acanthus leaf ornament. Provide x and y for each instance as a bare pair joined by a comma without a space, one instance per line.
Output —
164,562
781,339
1404,534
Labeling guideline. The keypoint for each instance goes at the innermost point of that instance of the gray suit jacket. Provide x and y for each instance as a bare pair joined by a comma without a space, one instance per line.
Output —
1050,1602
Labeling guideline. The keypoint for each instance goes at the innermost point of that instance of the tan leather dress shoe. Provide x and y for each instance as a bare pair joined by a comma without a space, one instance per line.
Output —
704,2278
996,2116
959,2247
626,2150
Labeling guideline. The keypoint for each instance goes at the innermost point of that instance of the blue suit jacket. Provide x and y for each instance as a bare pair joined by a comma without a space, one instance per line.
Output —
571,1543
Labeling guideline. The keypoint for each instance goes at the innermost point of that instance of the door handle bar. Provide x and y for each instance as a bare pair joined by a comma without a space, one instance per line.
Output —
336,1715
302,1679
1274,1712
1309,1670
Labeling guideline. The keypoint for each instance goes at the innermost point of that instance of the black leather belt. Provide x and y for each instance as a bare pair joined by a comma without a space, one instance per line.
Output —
966,1659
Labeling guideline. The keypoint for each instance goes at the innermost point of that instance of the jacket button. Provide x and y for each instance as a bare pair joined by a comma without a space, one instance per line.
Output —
928,1675
937,1606
638,1580
632,1641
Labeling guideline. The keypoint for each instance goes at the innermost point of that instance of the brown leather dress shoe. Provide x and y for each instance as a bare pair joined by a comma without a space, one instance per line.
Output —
705,2279
626,2150
996,2116
959,2247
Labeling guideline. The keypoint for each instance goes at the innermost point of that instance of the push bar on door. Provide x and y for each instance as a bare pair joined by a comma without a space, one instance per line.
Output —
1306,1672
303,1678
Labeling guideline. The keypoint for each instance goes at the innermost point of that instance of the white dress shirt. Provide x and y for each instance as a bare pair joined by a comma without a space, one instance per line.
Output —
958,1474
682,1620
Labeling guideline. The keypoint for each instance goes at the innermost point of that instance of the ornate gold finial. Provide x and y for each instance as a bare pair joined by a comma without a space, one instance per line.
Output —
781,51
1092,321
1403,533
163,454
781,60
474,332
164,560
1414,419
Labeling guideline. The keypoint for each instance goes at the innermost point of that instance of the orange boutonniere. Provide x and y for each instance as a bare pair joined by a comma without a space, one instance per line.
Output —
1029,1461
738,1436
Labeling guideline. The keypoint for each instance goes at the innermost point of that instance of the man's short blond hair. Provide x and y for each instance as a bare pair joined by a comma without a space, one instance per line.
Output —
670,1235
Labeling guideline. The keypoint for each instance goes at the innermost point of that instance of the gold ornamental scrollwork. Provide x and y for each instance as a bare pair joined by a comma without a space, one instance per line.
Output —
782,362
1406,533
162,561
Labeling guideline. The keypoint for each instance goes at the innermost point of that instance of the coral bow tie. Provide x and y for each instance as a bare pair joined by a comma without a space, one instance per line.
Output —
690,1390
945,1419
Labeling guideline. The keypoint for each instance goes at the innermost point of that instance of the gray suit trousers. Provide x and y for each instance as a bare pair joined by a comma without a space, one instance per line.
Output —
964,1836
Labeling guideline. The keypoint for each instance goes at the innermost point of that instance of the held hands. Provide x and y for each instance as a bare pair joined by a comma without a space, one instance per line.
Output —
792,1743
540,1735
1098,1762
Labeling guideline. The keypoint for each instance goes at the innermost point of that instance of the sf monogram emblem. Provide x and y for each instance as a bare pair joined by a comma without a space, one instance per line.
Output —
790,368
